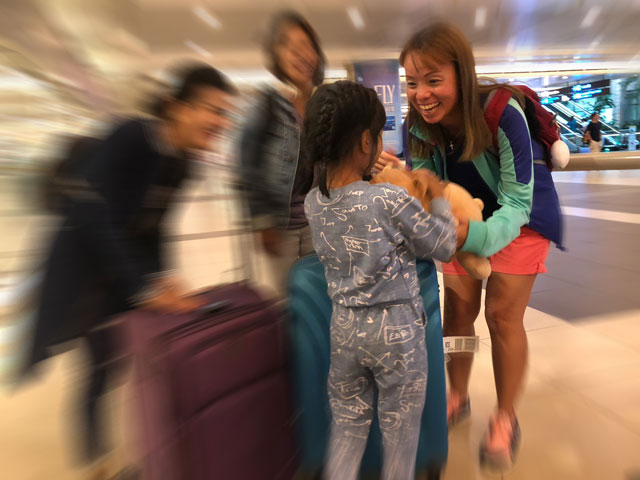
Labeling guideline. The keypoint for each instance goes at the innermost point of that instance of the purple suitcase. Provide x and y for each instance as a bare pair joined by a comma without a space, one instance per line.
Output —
213,390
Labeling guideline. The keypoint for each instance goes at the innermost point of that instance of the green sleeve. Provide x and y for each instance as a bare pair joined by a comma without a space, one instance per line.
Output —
515,194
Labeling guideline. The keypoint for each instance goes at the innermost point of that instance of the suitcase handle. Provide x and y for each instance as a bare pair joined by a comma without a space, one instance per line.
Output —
212,308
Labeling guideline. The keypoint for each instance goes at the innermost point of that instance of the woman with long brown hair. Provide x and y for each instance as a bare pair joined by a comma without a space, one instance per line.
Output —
448,134
270,147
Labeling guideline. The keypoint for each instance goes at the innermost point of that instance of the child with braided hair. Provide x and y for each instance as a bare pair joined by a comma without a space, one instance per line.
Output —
368,238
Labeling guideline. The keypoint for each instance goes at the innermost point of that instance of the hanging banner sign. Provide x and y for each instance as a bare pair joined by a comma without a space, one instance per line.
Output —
383,76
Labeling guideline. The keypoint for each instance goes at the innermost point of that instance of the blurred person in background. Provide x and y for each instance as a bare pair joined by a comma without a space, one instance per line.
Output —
593,134
270,144
107,256
573,124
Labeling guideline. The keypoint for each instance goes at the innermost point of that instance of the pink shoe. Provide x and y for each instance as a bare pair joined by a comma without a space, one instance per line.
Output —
458,409
499,448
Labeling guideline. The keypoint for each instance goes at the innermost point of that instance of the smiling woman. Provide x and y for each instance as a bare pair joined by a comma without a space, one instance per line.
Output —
439,102
443,88
449,135
270,148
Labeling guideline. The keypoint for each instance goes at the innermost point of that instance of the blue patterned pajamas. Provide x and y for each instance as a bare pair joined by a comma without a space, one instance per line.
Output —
368,237
384,346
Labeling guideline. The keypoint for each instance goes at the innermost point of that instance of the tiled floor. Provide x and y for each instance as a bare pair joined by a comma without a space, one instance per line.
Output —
580,413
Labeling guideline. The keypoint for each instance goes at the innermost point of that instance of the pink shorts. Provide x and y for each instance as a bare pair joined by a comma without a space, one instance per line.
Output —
524,256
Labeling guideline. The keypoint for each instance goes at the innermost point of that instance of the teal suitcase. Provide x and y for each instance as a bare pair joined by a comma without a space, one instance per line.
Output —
310,314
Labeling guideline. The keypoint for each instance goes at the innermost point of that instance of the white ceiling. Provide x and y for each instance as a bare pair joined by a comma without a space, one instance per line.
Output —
88,41
513,28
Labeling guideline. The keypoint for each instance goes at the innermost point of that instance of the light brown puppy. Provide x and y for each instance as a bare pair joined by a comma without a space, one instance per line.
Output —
463,205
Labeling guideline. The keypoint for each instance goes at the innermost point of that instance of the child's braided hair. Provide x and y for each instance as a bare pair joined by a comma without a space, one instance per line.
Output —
337,115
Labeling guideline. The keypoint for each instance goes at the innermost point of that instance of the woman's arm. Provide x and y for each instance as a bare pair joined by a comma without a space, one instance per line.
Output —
515,188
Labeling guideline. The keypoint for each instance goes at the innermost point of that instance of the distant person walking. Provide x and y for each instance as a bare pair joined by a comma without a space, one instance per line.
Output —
593,134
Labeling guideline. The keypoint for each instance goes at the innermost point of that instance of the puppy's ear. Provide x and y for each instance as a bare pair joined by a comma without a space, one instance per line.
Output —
422,192
421,188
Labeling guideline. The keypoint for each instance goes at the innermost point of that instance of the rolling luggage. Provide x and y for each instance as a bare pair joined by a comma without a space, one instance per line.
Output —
213,390
310,315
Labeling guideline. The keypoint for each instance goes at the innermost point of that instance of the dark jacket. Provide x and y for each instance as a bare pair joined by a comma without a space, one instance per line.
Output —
270,157
109,241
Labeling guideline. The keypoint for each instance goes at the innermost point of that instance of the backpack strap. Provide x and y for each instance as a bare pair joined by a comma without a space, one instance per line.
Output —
406,149
65,180
545,132
493,108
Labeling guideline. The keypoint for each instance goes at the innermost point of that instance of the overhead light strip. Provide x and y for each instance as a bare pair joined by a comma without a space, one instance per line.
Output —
356,18
207,18
197,48
590,17
481,18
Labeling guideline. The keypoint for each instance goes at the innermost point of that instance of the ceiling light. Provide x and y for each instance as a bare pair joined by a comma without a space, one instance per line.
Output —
130,41
564,77
14,83
596,41
207,18
356,17
537,70
335,73
481,18
590,17
197,48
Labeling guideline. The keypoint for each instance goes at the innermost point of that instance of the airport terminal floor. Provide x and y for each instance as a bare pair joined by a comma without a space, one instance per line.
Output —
579,413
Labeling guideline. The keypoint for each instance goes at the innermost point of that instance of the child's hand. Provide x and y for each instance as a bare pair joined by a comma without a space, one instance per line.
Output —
170,301
168,297
462,232
387,156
